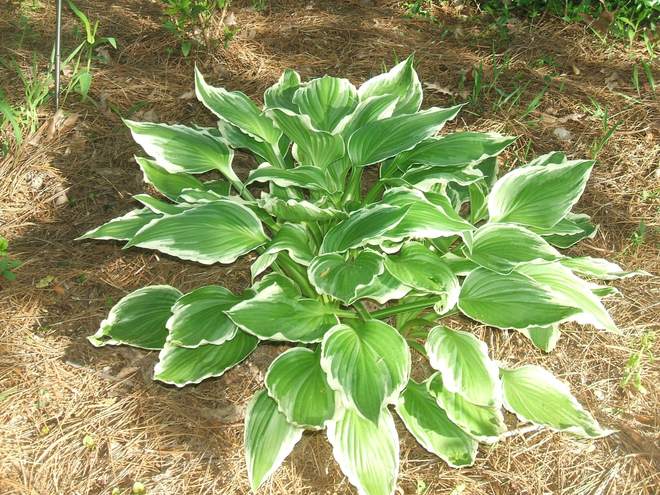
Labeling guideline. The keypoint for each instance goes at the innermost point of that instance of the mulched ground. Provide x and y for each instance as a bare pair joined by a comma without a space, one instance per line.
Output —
77,172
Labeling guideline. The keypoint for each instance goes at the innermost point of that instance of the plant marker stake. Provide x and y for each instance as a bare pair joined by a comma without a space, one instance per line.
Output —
58,39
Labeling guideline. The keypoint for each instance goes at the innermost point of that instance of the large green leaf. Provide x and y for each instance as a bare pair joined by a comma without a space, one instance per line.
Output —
273,314
381,139
166,182
342,276
570,230
373,108
427,178
383,289
402,82
181,149
431,427
458,149
534,394
307,176
428,217
599,268
198,317
294,239
545,338
364,226
368,362
538,196
138,319
299,385
237,109
463,361
419,267
210,233
314,147
502,247
159,206
122,228
182,366
511,301
569,289
269,438
367,452
238,139
293,210
483,423
280,94
326,101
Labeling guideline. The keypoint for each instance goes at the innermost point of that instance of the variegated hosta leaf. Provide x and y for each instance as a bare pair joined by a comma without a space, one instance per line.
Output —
420,268
534,394
122,228
342,276
484,423
138,319
554,157
364,226
275,314
511,301
598,268
238,139
368,362
216,232
428,217
178,148
381,139
427,178
458,149
569,289
570,230
545,338
237,109
402,82
318,148
383,289
215,190
299,385
502,247
307,177
539,196
367,452
294,239
373,108
433,429
294,210
161,207
326,101
461,267
182,366
280,94
463,361
198,317
269,438
167,183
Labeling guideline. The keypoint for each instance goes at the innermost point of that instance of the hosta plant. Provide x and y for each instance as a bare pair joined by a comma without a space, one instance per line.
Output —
368,227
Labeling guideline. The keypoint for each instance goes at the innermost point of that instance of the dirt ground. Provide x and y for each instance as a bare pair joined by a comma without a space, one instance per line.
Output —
56,389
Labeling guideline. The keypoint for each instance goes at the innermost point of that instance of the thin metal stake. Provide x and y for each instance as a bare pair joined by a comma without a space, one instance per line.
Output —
58,39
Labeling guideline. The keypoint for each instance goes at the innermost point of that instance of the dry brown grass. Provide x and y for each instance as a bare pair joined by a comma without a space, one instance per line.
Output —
57,388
